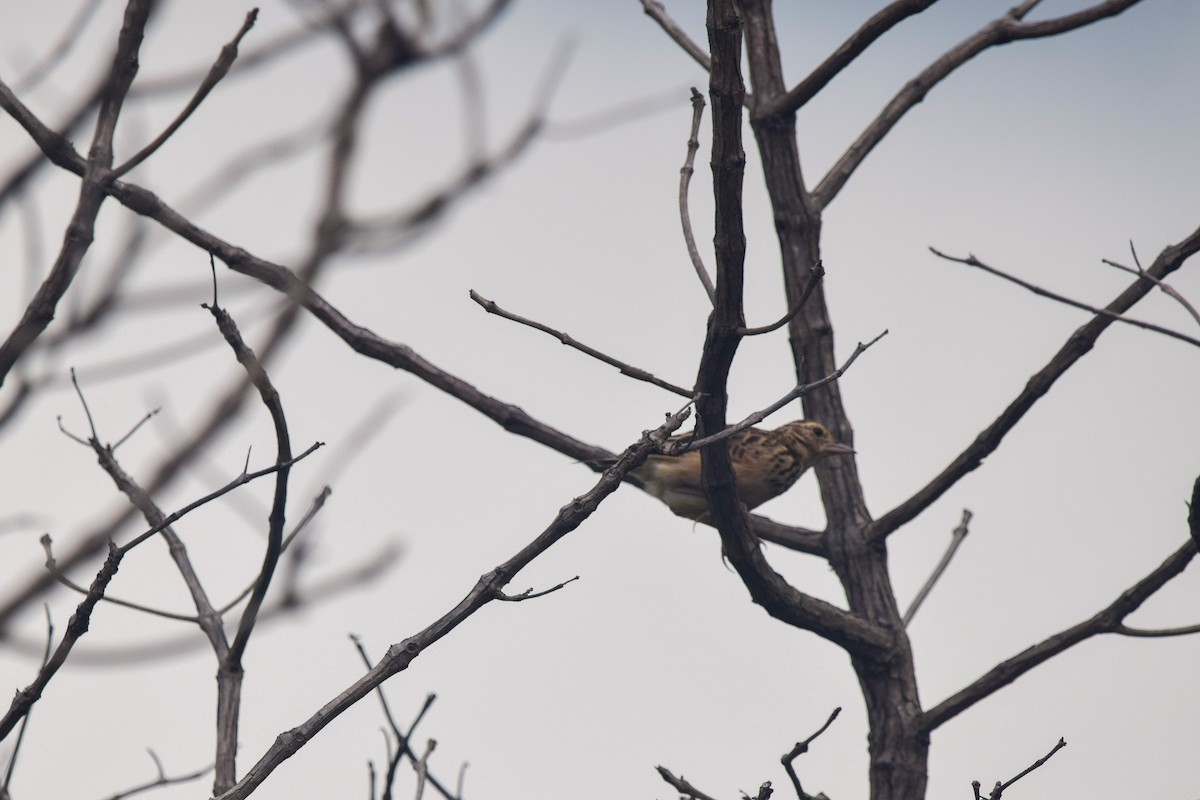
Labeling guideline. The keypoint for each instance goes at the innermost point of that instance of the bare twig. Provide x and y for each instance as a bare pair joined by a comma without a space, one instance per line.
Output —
162,780
486,589
875,27
137,426
816,274
625,369
403,747
1167,289
218,71
16,749
423,767
81,229
1002,30
1157,633
529,594
687,445
52,567
685,180
682,786
369,566
972,261
658,12
270,398
78,624
1078,344
998,790
957,537
1107,620
800,748
230,673
331,17
378,230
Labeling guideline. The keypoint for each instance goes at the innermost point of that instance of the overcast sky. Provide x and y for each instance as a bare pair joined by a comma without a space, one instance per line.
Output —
1041,158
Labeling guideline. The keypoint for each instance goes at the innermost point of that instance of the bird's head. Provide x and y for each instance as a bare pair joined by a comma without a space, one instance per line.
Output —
812,441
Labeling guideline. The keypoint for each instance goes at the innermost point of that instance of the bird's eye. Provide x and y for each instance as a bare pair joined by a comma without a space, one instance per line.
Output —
819,433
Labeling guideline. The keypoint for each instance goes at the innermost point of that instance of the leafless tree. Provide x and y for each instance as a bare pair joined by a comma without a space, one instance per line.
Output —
380,41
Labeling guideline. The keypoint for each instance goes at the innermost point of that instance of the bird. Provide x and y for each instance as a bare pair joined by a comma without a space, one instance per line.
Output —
765,464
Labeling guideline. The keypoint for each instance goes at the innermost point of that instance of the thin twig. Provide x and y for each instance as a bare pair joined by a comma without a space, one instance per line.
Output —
137,426
52,567
529,594
240,480
802,747
682,446
80,231
1077,345
218,71
972,261
998,791
957,537
162,780
1008,27
1169,290
682,786
1106,620
658,12
400,655
16,750
816,274
685,180
859,41
402,739
378,230
423,767
625,369
1157,633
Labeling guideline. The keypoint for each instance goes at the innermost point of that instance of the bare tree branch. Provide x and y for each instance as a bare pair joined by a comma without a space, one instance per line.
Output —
1076,346
682,786
882,22
162,780
815,276
767,587
218,71
1157,633
1002,30
957,537
1168,290
687,445
685,180
625,369
800,748
972,261
658,12
488,588
95,173
1108,620
998,791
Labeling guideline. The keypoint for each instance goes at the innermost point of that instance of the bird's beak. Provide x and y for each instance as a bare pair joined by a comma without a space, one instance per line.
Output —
837,449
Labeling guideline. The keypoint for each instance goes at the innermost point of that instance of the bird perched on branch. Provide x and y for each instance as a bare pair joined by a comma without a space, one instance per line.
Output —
765,465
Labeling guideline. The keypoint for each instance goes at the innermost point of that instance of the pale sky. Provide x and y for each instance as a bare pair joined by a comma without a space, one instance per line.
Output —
1041,158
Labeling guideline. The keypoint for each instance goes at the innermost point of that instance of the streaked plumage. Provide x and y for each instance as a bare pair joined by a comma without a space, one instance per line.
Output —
765,464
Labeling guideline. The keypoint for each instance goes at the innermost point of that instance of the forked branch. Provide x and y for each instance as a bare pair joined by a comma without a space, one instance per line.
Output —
1076,347
1109,620
1010,27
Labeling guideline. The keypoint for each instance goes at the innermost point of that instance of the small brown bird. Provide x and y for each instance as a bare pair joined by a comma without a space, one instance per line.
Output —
765,464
